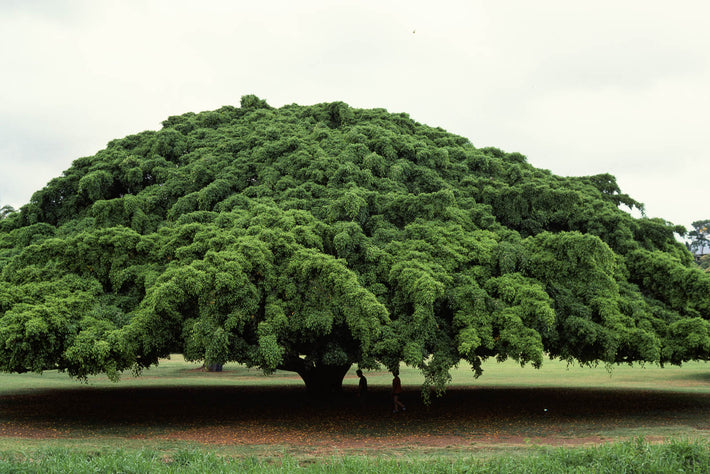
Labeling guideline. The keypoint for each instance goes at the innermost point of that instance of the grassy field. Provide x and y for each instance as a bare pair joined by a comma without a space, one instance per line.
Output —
627,456
177,411
691,377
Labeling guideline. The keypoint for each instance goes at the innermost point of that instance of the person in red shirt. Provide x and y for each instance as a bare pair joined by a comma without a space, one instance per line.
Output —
396,390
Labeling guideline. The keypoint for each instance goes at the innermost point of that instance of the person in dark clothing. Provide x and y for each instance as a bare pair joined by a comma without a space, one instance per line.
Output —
396,390
362,386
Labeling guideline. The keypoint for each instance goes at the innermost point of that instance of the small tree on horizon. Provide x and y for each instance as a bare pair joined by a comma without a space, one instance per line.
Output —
699,237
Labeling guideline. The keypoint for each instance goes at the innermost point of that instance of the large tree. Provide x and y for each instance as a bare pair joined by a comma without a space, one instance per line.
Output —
313,238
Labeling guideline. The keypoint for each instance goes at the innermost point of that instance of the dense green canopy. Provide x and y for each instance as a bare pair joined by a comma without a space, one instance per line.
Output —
314,238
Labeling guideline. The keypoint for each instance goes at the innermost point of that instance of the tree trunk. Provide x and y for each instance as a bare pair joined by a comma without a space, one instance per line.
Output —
324,380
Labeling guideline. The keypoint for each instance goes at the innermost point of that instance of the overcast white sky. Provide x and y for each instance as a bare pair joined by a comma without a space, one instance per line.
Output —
578,87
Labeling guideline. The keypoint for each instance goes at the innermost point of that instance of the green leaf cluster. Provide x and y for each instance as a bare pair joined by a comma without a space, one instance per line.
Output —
309,238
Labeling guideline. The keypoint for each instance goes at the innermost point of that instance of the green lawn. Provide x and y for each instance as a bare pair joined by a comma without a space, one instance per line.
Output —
176,408
628,456
691,377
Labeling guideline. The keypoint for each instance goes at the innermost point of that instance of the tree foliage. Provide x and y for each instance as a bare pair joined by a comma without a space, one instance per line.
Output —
313,238
699,237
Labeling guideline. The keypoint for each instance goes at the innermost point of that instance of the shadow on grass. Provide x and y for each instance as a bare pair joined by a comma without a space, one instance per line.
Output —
696,377
270,414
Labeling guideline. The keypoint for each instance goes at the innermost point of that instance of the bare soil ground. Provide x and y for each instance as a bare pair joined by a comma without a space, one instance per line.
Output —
285,416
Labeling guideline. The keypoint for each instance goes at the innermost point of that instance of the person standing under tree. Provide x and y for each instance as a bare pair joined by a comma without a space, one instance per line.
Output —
396,390
361,387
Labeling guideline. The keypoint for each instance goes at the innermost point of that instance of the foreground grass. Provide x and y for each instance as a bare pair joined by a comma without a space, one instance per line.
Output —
629,456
